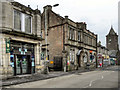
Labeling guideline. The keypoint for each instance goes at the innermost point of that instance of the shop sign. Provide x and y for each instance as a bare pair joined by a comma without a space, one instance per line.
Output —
22,51
90,51
7,45
51,62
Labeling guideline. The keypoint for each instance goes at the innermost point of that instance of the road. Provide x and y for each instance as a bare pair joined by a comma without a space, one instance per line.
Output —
95,79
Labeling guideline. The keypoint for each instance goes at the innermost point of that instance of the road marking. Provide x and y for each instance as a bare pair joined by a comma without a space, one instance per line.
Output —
91,83
102,77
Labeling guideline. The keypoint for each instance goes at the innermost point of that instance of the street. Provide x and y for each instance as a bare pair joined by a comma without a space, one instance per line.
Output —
107,78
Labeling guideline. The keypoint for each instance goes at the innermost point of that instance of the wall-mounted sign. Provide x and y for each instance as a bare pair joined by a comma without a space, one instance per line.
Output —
7,45
22,51
90,51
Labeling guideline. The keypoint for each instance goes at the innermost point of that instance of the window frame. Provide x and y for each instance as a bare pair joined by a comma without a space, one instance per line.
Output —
14,20
79,36
22,18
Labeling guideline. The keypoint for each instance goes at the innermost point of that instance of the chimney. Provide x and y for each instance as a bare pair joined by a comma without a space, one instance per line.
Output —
66,18
81,25
28,6
48,7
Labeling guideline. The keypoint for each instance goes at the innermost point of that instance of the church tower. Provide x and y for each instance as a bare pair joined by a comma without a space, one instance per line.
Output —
112,40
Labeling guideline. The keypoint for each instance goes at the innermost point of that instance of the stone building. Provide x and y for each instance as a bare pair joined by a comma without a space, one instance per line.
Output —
112,43
69,40
20,29
102,55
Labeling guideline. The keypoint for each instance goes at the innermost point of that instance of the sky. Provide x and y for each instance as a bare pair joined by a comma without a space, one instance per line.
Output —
98,14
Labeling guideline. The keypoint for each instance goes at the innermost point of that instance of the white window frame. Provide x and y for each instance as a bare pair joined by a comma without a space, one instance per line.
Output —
22,17
14,18
31,23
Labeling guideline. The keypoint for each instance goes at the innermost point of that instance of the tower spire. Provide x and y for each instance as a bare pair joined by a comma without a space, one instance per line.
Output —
111,26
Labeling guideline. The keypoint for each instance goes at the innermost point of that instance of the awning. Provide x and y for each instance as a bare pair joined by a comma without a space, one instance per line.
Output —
78,53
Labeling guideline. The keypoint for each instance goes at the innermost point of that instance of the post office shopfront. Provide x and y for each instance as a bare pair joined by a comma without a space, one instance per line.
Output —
22,57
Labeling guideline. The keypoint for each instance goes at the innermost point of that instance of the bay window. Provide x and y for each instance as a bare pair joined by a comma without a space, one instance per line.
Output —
22,22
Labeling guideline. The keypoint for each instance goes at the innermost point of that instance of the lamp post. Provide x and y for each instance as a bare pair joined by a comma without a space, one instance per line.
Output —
46,34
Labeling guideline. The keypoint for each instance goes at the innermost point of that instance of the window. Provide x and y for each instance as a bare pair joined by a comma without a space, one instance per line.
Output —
78,36
22,22
85,58
86,39
73,34
72,55
70,33
17,20
90,41
27,24
109,40
42,56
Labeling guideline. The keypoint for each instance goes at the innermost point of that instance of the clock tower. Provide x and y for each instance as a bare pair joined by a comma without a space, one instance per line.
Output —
112,40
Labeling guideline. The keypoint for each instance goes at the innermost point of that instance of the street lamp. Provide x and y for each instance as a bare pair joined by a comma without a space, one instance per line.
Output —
46,34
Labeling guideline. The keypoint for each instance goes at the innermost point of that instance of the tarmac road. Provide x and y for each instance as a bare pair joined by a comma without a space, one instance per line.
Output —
107,78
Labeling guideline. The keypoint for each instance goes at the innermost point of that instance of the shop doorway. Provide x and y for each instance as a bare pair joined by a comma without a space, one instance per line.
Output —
22,64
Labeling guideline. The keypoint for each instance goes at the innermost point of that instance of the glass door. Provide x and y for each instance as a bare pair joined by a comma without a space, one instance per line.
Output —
21,64
18,66
24,64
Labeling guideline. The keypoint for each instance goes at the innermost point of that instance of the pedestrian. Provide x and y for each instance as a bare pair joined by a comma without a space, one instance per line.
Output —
100,64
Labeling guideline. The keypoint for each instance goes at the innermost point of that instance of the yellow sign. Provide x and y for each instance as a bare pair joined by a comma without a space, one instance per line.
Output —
46,58
51,62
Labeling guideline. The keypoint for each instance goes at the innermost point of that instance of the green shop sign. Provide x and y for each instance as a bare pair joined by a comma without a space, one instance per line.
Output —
7,45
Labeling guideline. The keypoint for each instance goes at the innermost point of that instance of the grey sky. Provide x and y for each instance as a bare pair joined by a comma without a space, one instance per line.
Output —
98,14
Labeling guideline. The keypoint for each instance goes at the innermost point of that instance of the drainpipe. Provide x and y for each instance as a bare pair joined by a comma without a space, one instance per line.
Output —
96,52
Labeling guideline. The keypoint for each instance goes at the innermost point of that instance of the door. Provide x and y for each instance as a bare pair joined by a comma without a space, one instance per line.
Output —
23,64
29,66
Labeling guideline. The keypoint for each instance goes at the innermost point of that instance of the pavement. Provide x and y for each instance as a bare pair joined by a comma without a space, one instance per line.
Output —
20,79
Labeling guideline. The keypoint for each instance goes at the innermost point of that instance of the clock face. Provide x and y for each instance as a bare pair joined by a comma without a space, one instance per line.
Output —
109,40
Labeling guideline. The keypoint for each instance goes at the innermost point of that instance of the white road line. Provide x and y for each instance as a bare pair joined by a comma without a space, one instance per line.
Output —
90,83
102,77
